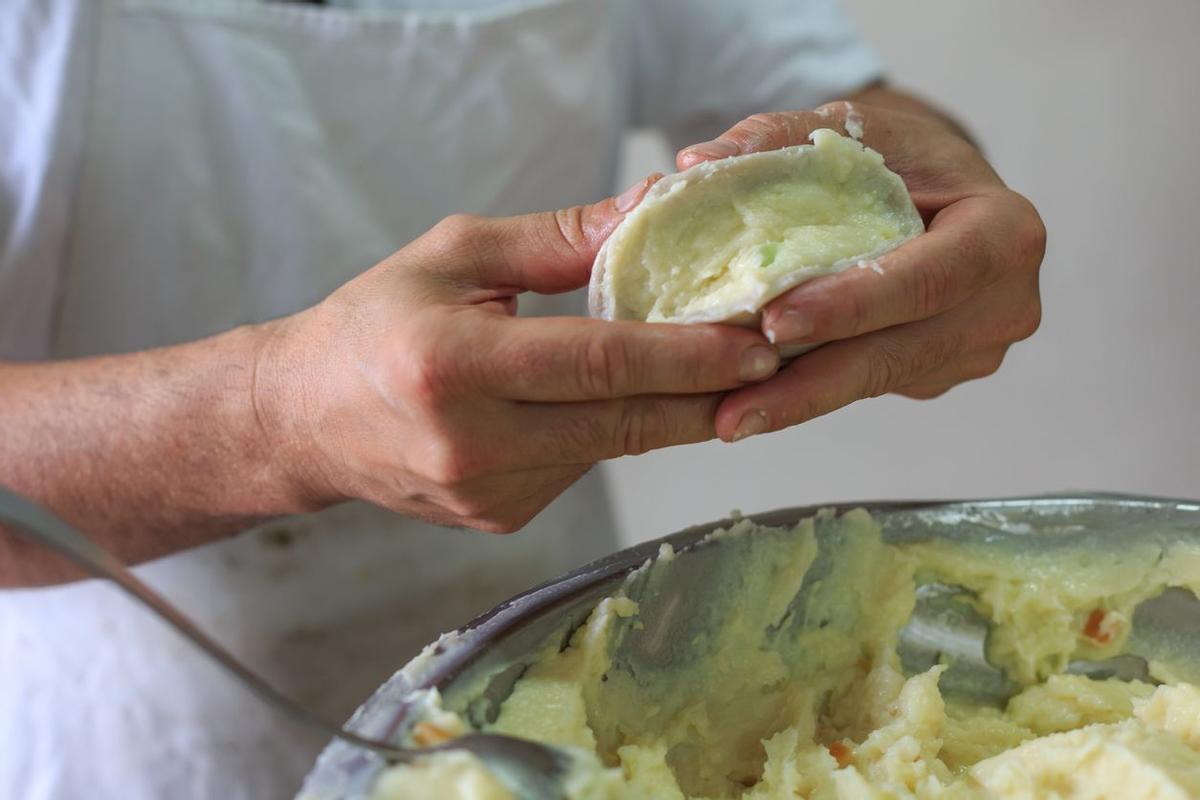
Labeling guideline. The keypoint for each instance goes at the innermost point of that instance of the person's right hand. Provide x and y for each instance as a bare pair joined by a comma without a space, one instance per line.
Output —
416,387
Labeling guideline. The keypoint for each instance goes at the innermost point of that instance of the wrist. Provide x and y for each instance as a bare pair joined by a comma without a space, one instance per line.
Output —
280,409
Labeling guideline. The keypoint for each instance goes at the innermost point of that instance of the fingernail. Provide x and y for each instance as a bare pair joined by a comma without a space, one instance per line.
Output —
758,362
717,148
790,326
629,198
752,423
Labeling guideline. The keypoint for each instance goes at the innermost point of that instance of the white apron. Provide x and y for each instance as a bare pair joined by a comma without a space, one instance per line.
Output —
240,162
178,167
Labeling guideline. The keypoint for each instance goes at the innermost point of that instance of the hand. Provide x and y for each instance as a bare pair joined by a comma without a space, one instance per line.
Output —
943,308
416,387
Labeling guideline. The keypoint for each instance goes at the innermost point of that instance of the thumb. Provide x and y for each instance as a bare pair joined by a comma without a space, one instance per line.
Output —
547,252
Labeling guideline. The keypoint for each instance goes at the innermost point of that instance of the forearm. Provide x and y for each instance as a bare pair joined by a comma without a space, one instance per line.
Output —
885,96
149,453
414,386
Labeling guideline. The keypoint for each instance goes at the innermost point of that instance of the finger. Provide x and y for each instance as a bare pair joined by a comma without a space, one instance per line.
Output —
968,368
506,502
524,506
841,373
548,252
564,359
532,492
959,254
938,166
583,433
769,131
925,390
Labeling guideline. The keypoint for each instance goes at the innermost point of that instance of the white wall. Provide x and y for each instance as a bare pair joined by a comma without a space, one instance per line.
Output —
1088,107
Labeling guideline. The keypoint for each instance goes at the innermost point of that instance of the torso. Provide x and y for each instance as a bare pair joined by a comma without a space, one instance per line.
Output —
237,162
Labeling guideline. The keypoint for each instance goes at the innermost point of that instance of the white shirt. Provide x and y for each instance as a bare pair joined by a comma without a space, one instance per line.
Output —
175,168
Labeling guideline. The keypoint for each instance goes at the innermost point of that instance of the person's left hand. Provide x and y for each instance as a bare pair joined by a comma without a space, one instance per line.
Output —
941,309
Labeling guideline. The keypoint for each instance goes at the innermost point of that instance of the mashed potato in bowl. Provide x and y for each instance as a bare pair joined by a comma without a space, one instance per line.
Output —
773,672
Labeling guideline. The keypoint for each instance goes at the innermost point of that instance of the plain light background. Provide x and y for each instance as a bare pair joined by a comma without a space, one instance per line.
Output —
1089,108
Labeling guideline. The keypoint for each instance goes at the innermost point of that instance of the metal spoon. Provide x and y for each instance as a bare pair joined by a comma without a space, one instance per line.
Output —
528,769
946,628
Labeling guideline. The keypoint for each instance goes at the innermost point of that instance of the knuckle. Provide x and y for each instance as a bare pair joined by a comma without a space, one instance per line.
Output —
837,111
893,365
759,129
426,373
763,120
887,368
512,513
466,241
932,286
502,527
834,107
605,366
513,521
857,310
643,427
526,366
503,521
1030,236
936,352
589,437
468,506
1020,316
978,254
572,229
484,526
923,392
447,462
990,364
1028,321
982,365
457,231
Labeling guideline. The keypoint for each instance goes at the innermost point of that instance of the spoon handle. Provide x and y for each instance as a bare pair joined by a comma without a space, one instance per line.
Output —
42,527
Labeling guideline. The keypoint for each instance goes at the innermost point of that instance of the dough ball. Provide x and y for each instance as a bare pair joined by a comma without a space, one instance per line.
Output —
717,242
